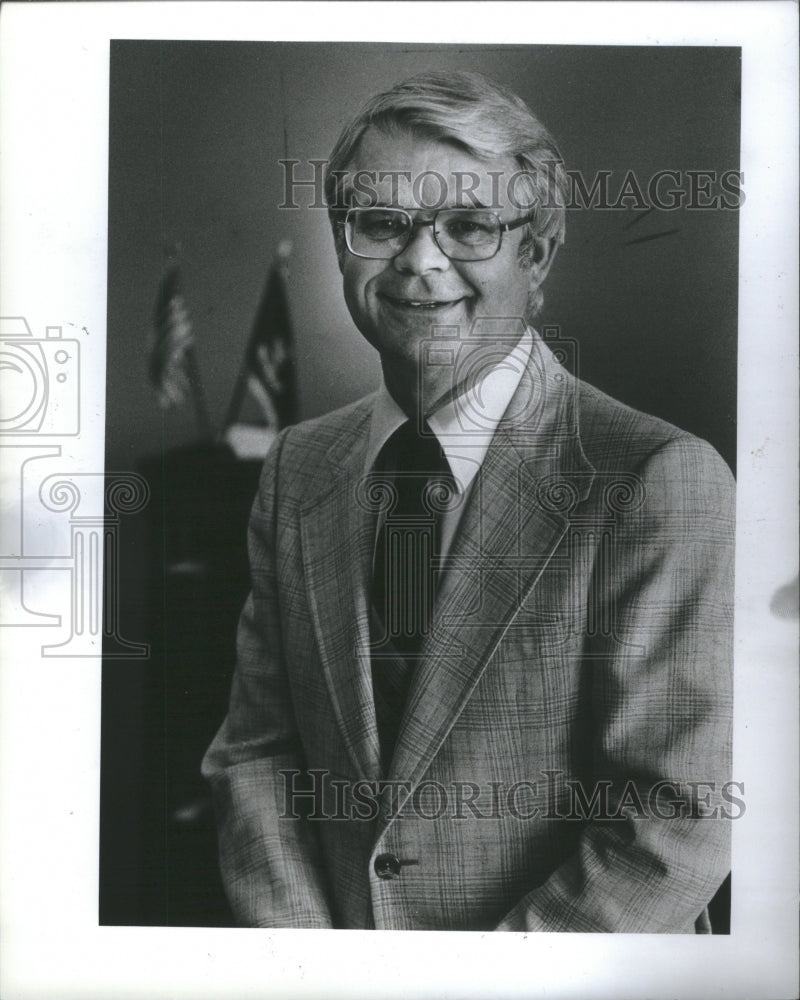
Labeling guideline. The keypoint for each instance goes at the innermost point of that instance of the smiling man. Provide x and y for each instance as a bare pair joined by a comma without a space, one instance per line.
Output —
439,264
483,676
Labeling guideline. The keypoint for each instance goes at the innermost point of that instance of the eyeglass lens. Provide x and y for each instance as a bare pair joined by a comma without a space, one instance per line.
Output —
462,234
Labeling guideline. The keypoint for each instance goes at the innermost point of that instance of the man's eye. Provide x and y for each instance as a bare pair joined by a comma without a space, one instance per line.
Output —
468,228
381,227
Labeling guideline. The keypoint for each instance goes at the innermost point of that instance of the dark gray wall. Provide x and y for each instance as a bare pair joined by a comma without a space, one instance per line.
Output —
196,132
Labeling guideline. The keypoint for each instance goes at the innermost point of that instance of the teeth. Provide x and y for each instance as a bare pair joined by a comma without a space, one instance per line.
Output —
429,304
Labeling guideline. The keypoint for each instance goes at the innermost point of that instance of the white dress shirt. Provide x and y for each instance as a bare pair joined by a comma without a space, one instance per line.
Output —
464,426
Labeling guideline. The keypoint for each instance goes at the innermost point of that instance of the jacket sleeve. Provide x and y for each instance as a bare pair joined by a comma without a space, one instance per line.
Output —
661,680
270,859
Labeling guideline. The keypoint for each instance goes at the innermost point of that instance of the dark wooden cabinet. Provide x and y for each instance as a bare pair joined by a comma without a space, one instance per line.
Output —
183,580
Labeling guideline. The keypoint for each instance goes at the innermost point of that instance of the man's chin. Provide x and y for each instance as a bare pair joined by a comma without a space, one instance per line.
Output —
416,321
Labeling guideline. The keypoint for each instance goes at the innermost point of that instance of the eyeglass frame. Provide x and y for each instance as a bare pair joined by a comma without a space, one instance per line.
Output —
505,227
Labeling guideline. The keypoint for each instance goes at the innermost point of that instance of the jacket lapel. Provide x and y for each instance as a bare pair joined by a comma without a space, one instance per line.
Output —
516,516
337,537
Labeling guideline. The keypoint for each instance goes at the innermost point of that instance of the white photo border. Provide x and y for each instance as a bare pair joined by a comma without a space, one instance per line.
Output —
54,65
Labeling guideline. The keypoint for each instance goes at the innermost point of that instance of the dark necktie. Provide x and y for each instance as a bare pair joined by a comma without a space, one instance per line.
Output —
413,469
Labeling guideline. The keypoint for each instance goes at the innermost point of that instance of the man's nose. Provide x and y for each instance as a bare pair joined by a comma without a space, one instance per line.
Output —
422,254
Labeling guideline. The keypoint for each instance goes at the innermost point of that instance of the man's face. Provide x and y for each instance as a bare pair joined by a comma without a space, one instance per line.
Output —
397,303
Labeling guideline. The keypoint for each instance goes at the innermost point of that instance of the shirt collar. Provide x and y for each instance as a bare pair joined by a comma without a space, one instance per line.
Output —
465,425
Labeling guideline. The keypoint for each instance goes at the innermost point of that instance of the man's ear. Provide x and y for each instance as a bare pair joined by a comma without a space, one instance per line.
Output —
341,248
542,252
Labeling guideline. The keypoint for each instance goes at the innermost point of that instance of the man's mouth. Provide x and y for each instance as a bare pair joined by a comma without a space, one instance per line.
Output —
423,305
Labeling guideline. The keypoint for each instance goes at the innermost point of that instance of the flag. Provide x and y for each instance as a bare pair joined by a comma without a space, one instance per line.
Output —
173,342
268,370
173,366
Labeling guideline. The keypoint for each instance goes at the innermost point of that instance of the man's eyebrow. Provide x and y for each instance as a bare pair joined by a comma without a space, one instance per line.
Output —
349,196
416,209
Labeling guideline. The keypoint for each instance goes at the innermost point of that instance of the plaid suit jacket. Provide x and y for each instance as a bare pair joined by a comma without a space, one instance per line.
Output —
563,759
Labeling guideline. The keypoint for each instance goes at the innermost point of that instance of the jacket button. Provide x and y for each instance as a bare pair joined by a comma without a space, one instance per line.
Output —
387,866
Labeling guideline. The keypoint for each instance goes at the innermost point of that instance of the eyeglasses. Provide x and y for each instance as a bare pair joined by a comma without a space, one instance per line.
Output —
460,233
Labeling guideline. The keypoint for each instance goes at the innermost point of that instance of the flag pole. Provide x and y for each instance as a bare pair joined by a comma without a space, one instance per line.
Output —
237,398
202,418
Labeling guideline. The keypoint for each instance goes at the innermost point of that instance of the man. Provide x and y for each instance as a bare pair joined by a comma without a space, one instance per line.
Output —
483,676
